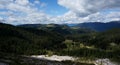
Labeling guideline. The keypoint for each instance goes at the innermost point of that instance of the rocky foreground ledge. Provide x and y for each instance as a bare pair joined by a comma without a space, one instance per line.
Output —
105,62
72,59
54,58
51,60
40,60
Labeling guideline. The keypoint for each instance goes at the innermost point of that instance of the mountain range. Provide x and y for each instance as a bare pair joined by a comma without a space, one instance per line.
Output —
93,40
98,26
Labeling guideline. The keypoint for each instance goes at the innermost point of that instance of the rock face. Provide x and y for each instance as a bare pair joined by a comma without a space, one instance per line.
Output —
3,63
54,58
104,62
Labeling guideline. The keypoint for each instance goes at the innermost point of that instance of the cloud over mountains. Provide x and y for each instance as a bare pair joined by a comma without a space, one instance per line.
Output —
24,11
93,10
87,7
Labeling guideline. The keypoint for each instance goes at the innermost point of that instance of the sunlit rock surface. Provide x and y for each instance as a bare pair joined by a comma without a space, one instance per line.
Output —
105,62
53,57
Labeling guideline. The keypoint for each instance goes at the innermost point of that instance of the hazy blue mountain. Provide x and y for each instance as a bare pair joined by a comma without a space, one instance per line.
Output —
71,24
98,26
68,28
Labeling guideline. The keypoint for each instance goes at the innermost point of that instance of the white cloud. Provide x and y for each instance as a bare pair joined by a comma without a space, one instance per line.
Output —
90,10
25,12
42,4
22,2
22,11
86,7
1,19
102,17
3,3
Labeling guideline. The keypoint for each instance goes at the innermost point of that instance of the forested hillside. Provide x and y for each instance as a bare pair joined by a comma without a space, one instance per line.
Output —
27,40
59,39
62,29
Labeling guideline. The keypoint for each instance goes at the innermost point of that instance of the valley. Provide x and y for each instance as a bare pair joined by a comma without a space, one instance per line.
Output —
19,42
59,32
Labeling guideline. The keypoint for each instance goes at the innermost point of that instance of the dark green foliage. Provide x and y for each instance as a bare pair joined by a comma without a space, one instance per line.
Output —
61,29
105,39
105,45
27,40
40,39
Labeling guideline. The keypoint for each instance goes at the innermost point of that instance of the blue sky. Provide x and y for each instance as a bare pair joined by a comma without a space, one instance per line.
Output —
52,8
58,11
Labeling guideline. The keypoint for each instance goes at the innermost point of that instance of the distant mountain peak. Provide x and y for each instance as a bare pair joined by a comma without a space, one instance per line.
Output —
99,26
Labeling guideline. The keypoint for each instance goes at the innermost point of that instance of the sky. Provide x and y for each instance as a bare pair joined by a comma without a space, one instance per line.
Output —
58,11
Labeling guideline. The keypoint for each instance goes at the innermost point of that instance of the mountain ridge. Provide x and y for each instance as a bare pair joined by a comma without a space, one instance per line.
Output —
99,26
96,26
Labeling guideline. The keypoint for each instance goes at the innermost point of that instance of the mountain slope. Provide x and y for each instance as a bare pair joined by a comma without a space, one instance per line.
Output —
61,29
98,26
27,40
